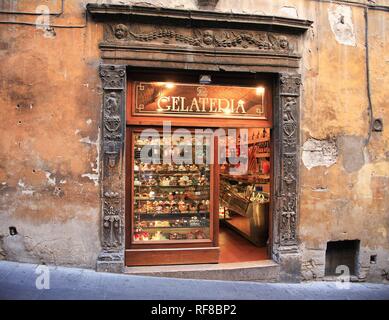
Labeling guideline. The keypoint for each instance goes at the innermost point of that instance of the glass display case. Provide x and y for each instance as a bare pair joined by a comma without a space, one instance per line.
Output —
171,201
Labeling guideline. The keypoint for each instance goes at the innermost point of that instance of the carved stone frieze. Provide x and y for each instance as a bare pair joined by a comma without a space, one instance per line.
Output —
113,78
290,85
258,41
112,220
112,238
288,221
289,123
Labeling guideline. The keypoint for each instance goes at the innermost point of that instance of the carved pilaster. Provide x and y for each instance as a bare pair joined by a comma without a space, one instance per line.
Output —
113,123
285,237
289,146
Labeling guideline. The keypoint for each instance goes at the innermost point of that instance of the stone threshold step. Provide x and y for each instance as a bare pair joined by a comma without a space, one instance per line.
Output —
263,270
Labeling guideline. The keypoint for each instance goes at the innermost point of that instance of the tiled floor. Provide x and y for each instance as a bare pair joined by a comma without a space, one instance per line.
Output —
241,223
235,248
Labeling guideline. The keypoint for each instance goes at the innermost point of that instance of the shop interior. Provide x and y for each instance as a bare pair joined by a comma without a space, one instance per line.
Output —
244,199
174,203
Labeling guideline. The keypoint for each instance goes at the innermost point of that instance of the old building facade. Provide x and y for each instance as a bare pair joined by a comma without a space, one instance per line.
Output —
66,70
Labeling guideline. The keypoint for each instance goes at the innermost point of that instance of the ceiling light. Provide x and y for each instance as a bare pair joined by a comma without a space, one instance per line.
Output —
260,91
169,85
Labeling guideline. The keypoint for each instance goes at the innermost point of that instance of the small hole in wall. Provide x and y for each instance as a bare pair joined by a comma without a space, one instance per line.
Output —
378,125
13,231
373,259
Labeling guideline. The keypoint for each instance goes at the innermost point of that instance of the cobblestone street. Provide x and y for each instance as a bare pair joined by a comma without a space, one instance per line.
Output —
18,281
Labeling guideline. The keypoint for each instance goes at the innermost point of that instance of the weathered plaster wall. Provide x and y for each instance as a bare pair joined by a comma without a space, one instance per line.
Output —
50,116
49,178
349,198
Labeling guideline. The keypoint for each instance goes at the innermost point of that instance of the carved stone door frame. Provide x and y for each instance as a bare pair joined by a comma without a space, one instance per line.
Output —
209,41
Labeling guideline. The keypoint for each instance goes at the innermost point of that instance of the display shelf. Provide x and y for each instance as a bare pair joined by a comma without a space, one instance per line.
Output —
247,178
155,216
171,145
172,173
178,212
176,186
169,242
182,229
175,181
164,199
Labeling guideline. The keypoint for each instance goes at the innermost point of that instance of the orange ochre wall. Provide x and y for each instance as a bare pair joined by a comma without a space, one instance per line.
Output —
50,103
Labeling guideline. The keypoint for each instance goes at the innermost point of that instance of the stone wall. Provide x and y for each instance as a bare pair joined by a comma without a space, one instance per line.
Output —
50,101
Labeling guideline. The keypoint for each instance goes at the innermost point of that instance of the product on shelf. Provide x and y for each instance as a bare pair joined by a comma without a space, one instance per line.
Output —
171,201
194,222
158,236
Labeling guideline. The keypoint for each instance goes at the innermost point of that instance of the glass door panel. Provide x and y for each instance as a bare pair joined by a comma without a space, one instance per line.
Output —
172,201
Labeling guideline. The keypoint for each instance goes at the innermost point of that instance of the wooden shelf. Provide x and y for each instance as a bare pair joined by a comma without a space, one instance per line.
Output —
185,212
248,179
177,186
174,228
164,199
170,145
155,216
171,242
171,173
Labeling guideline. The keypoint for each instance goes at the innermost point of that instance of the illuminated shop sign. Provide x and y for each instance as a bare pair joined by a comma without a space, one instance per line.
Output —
173,99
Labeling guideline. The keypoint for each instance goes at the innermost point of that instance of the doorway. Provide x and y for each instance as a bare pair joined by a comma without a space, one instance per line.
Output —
244,198
194,212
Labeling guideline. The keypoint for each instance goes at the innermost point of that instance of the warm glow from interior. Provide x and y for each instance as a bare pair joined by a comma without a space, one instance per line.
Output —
260,91
169,85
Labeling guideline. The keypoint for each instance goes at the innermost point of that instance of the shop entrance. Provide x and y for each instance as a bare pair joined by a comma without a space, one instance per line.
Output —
198,172
235,51
244,201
